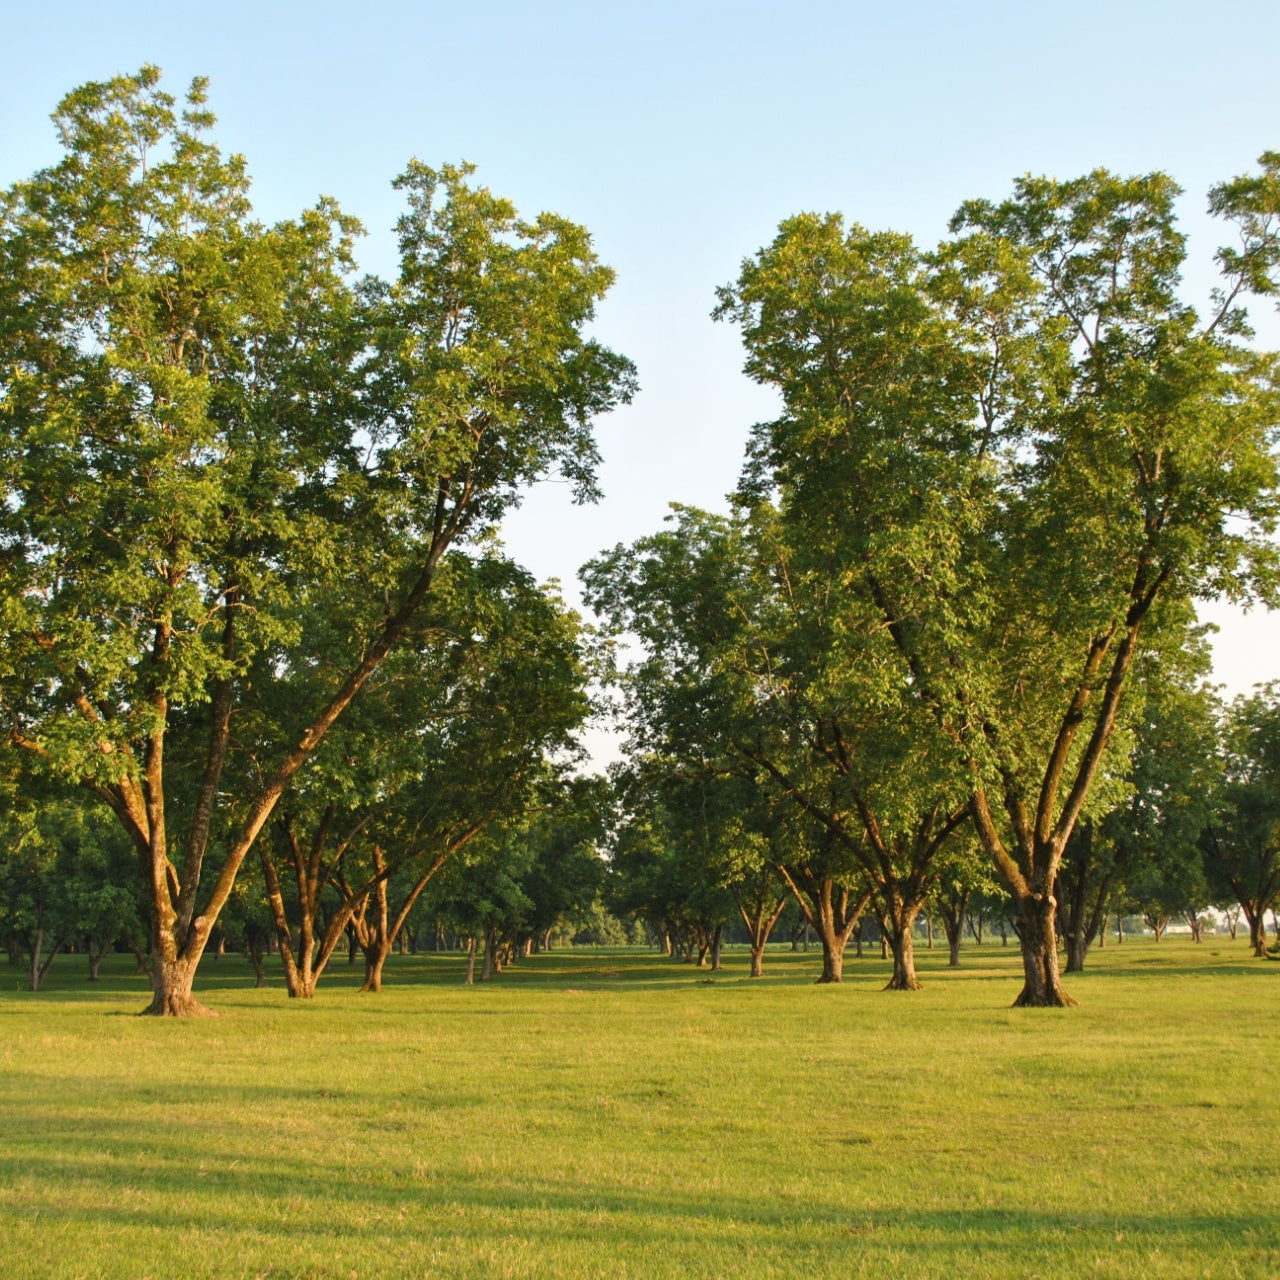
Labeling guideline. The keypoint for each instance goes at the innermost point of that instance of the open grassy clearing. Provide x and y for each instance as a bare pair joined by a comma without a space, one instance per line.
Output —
612,1113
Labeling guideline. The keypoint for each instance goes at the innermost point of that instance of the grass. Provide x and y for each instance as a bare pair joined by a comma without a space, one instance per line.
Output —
614,1114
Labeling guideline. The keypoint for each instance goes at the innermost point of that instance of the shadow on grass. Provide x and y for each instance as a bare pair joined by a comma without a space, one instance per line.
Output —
299,1200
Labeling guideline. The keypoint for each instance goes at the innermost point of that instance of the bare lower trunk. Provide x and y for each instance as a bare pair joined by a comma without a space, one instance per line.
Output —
171,996
1042,986
716,939
902,944
1077,946
375,957
470,979
832,961
35,974
1257,932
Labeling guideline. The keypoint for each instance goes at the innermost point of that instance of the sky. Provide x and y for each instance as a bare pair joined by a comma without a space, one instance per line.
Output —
680,135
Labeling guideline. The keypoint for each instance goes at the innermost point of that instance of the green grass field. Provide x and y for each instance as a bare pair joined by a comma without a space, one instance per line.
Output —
615,1114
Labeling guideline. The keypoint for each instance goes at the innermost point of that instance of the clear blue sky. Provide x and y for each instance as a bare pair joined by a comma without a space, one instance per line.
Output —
680,134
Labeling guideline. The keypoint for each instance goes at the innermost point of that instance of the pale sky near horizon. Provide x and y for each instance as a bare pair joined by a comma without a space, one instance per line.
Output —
680,135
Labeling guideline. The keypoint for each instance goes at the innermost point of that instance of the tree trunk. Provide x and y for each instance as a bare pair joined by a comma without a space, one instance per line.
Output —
171,997
470,979
375,957
34,972
490,945
904,961
952,910
255,959
716,939
1042,986
1076,948
1257,932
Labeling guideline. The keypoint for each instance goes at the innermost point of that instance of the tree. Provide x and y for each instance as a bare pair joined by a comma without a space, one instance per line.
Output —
452,734
762,667
1141,836
1027,455
567,825
1241,842
963,878
210,441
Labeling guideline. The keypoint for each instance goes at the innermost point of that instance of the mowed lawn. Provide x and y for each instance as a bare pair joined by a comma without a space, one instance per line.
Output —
611,1113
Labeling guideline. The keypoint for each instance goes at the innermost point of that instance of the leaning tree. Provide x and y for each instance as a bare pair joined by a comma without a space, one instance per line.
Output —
206,425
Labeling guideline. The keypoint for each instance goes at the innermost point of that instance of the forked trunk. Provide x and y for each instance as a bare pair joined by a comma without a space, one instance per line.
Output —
1042,985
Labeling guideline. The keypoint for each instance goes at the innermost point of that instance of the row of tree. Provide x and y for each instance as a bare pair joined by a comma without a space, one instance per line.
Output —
253,608
953,607
1192,834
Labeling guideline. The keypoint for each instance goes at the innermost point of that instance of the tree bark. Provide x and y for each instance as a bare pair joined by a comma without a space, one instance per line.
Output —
902,943
831,912
171,995
1042,986
899,924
